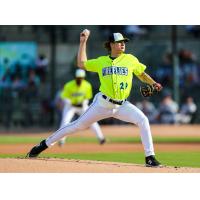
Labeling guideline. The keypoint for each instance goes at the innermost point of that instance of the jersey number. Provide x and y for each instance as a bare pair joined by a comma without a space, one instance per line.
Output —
123,86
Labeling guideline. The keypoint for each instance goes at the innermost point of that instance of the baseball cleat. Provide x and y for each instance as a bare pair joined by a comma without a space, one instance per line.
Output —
102,141
152,162
61,143
36,150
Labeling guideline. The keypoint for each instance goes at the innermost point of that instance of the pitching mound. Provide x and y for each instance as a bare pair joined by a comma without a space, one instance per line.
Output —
81,166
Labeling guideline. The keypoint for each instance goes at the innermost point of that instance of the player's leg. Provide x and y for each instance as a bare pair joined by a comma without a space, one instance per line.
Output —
95,128
67,115
94,113
130,113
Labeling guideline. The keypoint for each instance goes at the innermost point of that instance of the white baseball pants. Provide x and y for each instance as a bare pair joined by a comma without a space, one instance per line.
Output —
69,112
101,109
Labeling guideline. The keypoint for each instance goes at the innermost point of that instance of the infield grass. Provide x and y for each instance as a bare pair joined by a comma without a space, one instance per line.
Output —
32,140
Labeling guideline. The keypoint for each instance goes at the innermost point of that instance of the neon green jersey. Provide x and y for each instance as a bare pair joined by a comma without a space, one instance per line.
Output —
116,75
77,94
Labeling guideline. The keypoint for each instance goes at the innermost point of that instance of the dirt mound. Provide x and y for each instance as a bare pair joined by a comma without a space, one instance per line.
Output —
38,165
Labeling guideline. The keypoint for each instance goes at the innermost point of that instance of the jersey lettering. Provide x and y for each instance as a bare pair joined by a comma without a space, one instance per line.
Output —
115,70
77,94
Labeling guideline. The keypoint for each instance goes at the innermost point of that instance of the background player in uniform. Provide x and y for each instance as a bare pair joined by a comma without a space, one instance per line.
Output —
115,74
76,95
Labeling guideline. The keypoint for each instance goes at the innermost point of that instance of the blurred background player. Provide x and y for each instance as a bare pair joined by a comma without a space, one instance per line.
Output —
188,111
149,110
75,96
168,110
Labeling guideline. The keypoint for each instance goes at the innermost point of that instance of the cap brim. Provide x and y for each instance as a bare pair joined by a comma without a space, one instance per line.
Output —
125,40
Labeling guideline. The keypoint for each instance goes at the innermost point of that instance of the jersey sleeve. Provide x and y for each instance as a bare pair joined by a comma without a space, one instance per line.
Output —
138,68
91,65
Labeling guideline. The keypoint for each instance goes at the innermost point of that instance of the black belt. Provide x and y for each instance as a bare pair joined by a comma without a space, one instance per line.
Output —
78,105
113,101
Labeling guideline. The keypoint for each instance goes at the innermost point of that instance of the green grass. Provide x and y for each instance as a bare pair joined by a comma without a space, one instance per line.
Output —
32,140
180,159
18,140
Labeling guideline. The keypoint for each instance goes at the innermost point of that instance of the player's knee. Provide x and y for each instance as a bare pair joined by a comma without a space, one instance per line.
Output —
143,121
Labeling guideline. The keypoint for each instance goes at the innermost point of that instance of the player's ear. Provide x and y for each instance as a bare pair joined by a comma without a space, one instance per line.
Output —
111,44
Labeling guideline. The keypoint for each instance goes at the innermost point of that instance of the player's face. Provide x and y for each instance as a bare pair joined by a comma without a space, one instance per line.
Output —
118,46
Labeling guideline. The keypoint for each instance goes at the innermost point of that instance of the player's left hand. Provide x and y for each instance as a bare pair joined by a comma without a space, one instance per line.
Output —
157,87
149,90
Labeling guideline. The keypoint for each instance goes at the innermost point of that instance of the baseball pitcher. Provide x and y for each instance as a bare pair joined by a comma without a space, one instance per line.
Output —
115,74
76,95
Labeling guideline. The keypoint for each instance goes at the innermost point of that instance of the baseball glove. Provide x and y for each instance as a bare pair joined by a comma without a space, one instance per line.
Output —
149,90
146,91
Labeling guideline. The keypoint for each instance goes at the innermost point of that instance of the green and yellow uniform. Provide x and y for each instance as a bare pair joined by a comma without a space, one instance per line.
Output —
116,75
77,94
115,82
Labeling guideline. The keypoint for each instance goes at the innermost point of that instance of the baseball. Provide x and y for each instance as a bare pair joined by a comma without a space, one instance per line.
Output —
86,32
